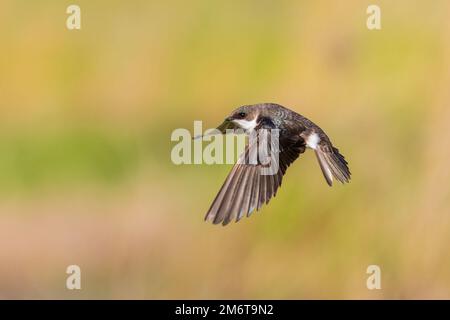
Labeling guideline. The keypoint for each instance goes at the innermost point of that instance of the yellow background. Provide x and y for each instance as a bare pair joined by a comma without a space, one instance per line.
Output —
85,170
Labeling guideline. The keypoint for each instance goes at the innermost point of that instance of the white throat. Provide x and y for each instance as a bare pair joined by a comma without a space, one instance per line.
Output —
247,125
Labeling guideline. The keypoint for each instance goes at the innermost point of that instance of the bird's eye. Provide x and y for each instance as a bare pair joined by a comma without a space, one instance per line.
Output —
241,114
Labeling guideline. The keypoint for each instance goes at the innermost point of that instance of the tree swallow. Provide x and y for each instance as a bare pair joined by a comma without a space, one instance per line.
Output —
246,188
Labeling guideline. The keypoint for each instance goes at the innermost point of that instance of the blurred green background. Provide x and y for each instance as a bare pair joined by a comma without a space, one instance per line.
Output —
85,170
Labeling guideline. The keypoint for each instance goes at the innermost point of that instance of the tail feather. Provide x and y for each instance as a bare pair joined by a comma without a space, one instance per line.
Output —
333,164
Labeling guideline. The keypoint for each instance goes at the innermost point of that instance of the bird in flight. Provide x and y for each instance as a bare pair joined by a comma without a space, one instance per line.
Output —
247,187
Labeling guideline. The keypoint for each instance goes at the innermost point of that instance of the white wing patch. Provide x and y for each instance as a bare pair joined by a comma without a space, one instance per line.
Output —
313,140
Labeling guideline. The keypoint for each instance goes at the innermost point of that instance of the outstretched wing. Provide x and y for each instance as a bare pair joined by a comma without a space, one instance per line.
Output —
248,186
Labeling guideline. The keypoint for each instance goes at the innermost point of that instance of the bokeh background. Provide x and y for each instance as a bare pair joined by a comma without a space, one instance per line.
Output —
85,170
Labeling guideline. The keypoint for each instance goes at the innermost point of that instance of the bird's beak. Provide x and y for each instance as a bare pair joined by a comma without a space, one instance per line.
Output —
226,124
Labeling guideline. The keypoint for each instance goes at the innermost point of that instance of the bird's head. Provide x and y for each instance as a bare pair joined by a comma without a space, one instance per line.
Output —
245,117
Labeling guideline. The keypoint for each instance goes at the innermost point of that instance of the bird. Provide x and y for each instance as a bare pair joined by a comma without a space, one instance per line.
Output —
246,188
